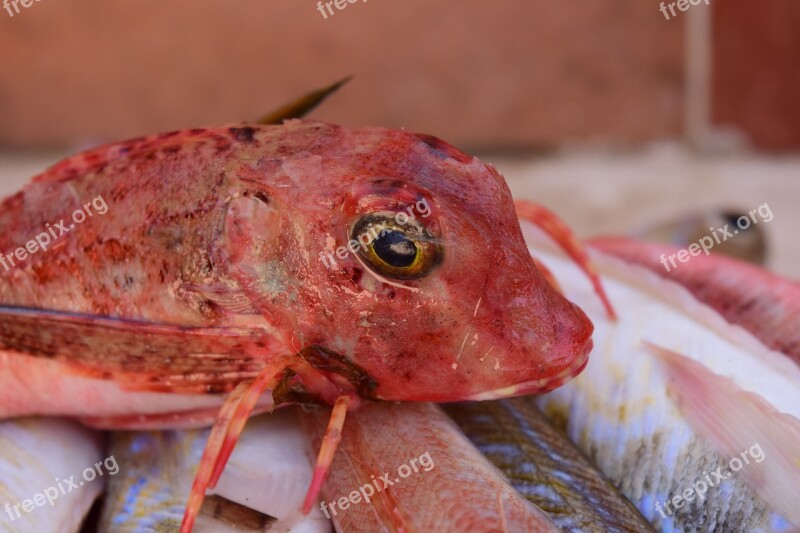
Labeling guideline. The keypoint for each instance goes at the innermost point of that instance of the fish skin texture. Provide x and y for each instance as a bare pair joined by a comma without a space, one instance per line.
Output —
545,466
35,455
215,234
455,488
764,303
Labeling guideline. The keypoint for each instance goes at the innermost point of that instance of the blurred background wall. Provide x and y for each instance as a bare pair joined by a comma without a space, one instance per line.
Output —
482,74
611,113
756,70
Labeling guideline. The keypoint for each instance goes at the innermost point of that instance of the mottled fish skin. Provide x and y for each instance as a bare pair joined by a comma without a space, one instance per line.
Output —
262,488
543,465
621,413
37,453
209,265
461,491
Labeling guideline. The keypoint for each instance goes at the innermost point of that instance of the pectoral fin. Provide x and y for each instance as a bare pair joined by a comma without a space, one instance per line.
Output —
139,355
738,423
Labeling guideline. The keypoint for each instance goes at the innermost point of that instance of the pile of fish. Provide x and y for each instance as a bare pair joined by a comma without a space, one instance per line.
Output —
621,411
692,416
686,416
656,423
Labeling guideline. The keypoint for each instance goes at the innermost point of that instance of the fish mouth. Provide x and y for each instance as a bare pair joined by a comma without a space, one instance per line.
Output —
538,386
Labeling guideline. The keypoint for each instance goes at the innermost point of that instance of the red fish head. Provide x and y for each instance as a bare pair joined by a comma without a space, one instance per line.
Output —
414,269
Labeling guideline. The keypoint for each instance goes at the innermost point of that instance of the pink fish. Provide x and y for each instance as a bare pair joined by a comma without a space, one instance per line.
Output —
758,300
326,264
396,456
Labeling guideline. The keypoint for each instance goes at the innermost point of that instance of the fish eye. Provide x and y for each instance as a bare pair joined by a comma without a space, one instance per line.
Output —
396,247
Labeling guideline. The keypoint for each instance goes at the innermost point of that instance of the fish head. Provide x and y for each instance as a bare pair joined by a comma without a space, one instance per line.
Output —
414,269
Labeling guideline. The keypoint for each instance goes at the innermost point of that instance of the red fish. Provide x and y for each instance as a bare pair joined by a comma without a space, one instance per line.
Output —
326,264
760,301
470,494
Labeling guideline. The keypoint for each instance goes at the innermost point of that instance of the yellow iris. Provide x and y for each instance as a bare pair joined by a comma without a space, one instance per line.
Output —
396,250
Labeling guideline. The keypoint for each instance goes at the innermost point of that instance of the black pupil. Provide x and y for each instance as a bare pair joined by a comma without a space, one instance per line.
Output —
395,249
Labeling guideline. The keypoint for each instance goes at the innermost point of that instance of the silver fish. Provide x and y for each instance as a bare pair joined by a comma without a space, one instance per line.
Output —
658,423
545,467
751,244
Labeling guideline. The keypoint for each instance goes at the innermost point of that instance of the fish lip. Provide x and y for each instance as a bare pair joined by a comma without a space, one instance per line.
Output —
538,386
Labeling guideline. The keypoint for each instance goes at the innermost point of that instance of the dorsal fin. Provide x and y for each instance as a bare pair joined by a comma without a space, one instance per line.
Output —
303,105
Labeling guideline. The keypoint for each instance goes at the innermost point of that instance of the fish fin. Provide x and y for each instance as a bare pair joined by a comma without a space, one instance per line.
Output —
303,105
551,224
139,355
330,443
734,420
208,464
233,416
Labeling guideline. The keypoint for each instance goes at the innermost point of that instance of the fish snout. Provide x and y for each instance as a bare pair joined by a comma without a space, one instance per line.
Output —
538,339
